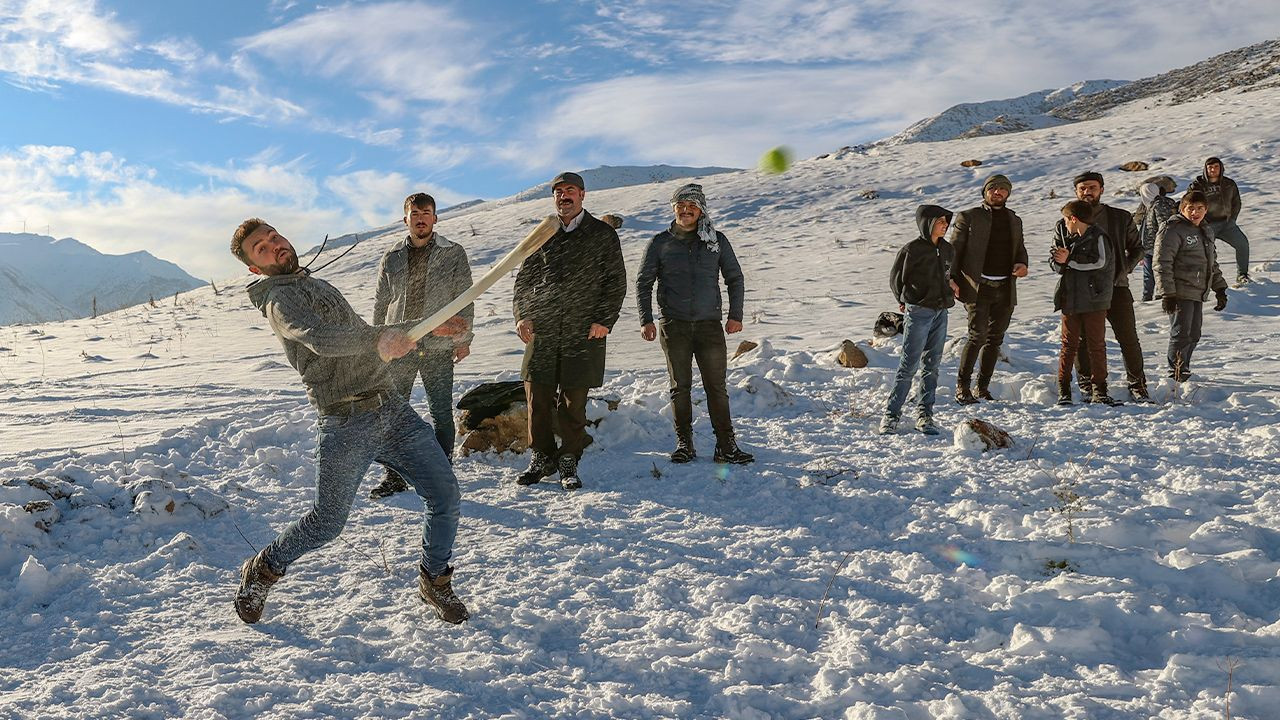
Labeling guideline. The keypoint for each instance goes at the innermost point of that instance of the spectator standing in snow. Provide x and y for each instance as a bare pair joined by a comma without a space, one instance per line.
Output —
1186,272
921,283
990,257
341,360
1120,229
1156,209
418,275
687,261
1085,259
568,295
1223,197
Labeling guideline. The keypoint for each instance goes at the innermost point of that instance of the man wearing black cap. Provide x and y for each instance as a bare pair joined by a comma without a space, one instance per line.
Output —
1126,243
990,256
1224,208
568,295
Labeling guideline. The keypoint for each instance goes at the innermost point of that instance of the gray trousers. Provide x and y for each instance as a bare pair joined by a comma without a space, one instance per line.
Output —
1184,335
436,369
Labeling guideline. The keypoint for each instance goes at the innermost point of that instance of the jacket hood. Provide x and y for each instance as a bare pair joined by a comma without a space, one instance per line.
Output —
259,289
1149,191
926,215
1212,160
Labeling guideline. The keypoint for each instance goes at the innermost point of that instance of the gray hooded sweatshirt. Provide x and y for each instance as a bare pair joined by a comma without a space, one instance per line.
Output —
326,341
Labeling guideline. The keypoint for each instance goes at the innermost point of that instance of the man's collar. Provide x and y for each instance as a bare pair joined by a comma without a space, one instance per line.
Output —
574,223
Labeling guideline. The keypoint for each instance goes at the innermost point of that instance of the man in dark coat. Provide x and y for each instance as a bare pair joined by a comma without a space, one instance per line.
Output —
1223,197
687,261
1122,231
568,295
990,257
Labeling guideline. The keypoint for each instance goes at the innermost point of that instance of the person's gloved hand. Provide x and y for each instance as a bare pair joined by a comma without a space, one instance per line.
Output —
1222,300
1170,304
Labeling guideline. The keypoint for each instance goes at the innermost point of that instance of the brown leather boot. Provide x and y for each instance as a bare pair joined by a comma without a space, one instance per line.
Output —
256,578
438,593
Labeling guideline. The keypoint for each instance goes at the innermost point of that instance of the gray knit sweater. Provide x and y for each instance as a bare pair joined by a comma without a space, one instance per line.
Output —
326,341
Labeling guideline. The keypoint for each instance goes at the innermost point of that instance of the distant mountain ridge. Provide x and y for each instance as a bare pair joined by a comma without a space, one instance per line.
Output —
996,117
42,279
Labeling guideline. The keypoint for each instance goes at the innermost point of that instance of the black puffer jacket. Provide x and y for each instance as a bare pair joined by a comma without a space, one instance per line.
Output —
1088,276
688,276
921,273
1186,261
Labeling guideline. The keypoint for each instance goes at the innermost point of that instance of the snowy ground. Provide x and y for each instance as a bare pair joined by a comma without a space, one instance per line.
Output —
1116,563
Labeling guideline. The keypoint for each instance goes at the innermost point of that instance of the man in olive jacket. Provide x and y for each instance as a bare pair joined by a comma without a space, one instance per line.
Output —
568,295
421,273
1126,244
990,257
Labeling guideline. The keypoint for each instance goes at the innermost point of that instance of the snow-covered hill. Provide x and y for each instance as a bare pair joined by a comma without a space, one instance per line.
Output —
45,279
996,117
607,177
1255,67
1116,563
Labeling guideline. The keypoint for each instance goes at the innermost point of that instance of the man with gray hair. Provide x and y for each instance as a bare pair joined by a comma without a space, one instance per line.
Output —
687,260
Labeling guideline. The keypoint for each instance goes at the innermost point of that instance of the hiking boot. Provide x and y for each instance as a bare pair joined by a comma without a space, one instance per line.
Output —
925,424
888,425
1064,393
568,466
438,593
1140,395
256,578
540,466
1101,397
964,396
727,451
684,451
984,393
1243,279
391,484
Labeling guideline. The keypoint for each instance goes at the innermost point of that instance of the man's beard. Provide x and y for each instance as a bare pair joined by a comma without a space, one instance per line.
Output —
288,267
996,204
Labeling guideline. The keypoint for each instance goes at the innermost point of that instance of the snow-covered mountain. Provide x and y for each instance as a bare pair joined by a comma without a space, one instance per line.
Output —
44,279
1117,563
995,117
1249,68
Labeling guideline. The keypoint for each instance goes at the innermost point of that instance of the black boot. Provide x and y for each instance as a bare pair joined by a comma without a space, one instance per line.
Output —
984,393
727,451
1064,393
568,466
684,451
540,466
437,592
391,484
1101,397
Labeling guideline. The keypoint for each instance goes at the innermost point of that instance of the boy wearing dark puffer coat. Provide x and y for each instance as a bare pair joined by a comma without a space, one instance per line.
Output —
1082,255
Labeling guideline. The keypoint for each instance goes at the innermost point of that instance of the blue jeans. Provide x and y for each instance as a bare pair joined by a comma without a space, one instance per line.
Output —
1230,233
924,332
1148,277
393,435
436,369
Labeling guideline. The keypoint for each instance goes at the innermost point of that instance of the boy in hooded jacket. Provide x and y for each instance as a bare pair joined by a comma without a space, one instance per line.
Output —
921,283
1083,257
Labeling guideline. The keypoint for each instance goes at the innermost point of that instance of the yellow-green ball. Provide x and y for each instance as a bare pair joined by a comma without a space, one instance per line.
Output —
776,161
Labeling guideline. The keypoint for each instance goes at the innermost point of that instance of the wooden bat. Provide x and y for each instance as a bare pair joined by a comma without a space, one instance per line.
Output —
531,242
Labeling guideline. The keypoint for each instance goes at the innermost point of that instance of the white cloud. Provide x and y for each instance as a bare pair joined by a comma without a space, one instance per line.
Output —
411,49
117,207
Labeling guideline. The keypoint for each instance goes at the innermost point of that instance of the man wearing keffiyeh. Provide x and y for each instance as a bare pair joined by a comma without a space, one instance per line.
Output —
687,261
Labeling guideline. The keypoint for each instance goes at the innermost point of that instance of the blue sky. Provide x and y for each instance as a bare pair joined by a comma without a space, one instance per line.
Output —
160,125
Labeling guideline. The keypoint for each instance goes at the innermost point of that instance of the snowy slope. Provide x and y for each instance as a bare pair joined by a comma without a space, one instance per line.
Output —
609,176
74,274
996,117
1113,564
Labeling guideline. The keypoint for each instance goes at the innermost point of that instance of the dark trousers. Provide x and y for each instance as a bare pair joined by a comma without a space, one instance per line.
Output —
683,342
1184,335
1089,328
1125,327
1230,233
988,320
436,369
569,406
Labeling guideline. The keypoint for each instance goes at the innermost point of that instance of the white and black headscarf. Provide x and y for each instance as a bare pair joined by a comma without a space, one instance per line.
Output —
692,192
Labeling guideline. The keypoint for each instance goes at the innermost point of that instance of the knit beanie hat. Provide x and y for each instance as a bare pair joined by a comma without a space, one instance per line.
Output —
997,180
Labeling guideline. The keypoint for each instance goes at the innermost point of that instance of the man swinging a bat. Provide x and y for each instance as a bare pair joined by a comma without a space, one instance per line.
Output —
568,296
343,363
